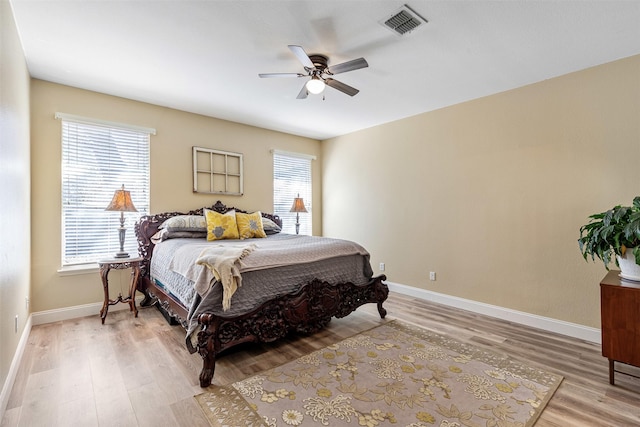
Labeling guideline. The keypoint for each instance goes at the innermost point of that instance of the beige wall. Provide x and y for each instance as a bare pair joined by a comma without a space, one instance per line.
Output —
171,174
14,191
490,194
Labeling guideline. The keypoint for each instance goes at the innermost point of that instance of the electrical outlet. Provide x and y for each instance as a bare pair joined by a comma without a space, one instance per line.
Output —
382,266
432,275
16,324
26,303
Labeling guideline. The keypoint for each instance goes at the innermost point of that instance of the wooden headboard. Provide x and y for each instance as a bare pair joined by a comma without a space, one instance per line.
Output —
148,225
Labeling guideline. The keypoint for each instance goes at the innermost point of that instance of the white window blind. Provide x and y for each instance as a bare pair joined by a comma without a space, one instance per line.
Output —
97,159
292,176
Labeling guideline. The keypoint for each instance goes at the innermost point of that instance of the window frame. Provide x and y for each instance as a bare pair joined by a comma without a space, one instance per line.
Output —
285,190
98,184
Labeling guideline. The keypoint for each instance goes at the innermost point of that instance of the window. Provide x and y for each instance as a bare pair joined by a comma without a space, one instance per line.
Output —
217,172
97,159
292,176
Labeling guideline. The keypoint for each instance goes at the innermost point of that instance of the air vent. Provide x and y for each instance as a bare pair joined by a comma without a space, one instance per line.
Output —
404,21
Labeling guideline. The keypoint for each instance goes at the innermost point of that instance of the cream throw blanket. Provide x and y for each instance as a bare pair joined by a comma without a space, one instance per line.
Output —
223,263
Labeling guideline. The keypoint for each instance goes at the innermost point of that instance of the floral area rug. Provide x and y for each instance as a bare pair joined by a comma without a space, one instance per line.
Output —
393,375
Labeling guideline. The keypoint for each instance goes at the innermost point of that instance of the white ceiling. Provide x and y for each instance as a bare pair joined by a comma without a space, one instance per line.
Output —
205,56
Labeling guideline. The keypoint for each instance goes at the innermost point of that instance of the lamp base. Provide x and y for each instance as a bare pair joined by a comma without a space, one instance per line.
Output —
121,233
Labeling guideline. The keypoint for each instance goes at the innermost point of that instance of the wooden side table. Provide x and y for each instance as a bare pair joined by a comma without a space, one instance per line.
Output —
119,264
620,313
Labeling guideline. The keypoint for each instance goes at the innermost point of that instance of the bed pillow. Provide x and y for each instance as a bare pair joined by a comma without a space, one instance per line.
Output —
250,225
221,226
185,223
270,227
184,234
165,234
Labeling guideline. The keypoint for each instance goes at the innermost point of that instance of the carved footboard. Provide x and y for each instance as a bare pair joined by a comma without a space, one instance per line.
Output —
306,311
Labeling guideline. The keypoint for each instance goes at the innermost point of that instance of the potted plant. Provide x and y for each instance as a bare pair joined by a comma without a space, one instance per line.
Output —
614,234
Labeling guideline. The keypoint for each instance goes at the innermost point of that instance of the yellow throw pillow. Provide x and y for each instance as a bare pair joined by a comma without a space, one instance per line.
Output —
250,225
221,226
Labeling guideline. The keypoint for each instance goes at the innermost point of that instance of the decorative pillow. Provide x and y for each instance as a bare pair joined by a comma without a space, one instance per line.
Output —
185,223
250,225
221,226
270,227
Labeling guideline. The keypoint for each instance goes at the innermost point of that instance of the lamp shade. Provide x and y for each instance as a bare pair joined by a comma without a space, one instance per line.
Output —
298,205
121,202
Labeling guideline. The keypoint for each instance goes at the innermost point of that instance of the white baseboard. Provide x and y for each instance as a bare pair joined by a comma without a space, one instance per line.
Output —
66,313
545,323
13,369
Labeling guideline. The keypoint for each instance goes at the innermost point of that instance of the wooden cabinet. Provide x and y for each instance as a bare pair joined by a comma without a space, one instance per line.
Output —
620,312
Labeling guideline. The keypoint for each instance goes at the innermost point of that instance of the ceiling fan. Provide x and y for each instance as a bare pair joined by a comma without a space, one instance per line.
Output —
316,66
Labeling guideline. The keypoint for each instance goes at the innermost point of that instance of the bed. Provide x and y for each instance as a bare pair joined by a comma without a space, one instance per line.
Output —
286,283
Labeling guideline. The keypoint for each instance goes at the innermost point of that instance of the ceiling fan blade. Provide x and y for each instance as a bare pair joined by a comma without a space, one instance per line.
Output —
303,92
302,56
342,87
264,75
355,64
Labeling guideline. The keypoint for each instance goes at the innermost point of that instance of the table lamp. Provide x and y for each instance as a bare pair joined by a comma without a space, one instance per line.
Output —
122,203
297,207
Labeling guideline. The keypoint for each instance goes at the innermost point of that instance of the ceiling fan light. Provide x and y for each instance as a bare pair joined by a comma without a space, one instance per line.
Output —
315,86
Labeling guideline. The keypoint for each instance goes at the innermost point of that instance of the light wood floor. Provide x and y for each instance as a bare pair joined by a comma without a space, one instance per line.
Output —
137,372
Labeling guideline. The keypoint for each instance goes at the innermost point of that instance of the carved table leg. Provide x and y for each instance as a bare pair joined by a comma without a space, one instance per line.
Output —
104,274
135,274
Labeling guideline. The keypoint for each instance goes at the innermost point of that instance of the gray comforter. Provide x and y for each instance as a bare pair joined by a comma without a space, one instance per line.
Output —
279,265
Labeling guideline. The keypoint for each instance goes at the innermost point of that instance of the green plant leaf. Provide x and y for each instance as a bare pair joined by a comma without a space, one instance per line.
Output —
608,232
